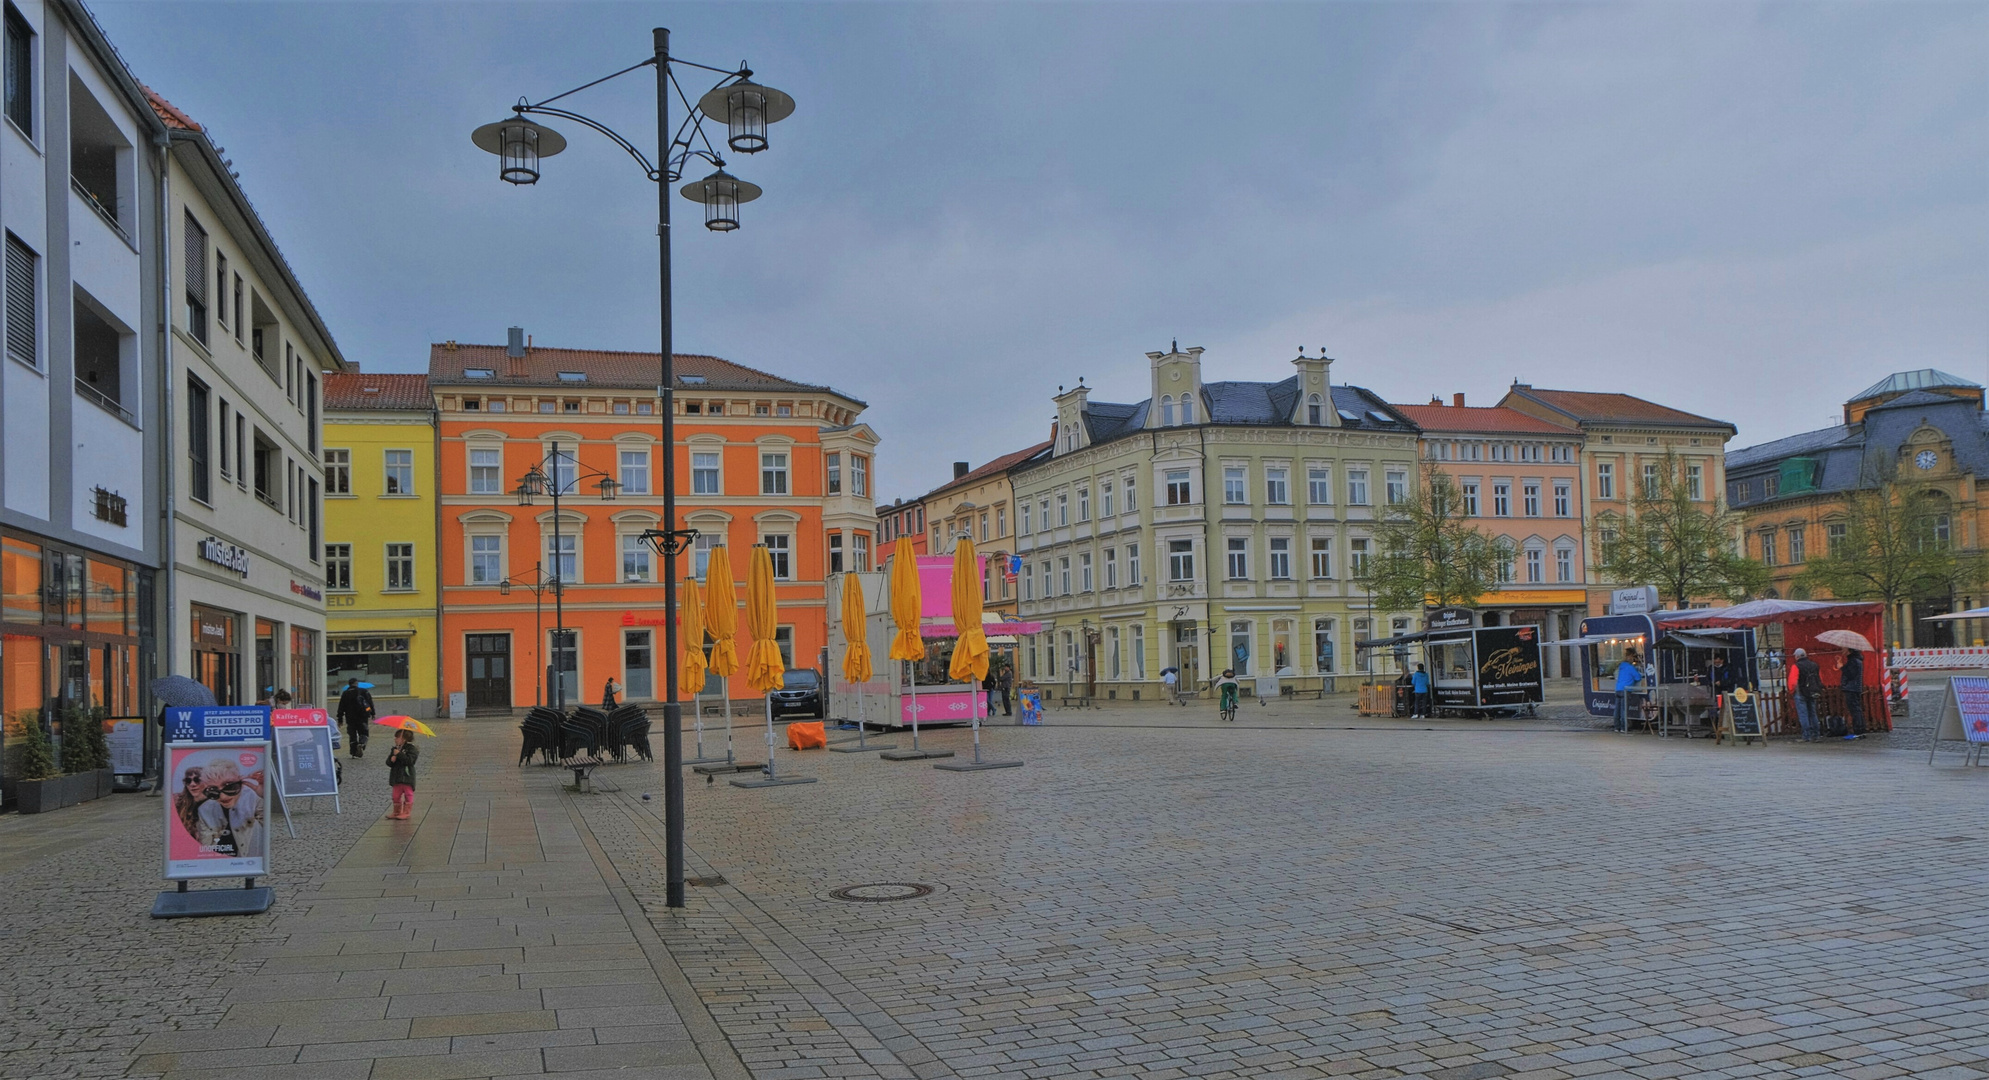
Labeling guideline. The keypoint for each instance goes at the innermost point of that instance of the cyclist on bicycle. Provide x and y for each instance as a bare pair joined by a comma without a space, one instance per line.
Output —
1228,690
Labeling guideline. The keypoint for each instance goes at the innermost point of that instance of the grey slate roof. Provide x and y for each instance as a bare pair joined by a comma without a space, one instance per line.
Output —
1256,404
1809,442
1844,451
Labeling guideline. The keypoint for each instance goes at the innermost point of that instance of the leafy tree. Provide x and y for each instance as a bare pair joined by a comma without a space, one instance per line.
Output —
1893,549
1427,551
1685,547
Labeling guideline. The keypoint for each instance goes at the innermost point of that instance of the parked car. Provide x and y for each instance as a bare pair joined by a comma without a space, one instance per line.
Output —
800,691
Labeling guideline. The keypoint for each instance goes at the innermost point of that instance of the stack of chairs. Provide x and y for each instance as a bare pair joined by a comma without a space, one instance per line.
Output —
628,730
584,732
541,729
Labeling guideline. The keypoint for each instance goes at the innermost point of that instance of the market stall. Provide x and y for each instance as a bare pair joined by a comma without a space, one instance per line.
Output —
1474,670
1788,625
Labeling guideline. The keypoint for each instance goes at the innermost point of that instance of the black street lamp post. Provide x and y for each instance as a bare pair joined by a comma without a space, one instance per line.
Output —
746,108
539,584
562,480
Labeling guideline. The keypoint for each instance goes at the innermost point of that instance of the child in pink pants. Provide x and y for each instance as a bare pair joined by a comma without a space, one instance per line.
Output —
400,773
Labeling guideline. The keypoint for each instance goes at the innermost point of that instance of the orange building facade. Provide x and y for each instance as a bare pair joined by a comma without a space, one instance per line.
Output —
759,459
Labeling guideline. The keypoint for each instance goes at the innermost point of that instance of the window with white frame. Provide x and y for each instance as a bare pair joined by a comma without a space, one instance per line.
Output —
1187,408
1180,489
1277,485
1564,563
778,553
835,552
1180,560
565,469
400,472
1043,517
1237,558
486,560
338,469
1132,490
1529,494
635,471
1398,486
486,472
636,554
704,472
1695,485
1084,571
1234,486
1111,568
701,551
1138,649
835,467
1501,499
773,473
1564,498
1357,487
1047,590
1063,575
1315,411
1001,521
1650,481
563,557
1132,565
1470,489
1084,504
1063,508
1322,557
400,567
1323,658
1280,558
338,567
1112,652
1605,480
1025,527
1105,507
859,553
859,476
1536,571
1357,553
1506,554
1028,585
1319,485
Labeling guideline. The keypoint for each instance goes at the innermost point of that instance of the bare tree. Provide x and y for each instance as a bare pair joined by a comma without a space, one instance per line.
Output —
1428,551
1896,547
1687,547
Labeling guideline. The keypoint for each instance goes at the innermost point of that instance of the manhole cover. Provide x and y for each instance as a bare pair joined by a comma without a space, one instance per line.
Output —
705,882
881,892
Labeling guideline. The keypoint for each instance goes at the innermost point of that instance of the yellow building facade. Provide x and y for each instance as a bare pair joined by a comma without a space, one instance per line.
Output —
381,583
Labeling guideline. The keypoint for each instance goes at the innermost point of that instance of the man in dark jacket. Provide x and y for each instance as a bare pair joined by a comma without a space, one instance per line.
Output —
1809,684
355,711
1851,677
1005,682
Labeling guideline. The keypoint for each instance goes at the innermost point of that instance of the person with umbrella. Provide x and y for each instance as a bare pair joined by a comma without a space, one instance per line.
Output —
355,711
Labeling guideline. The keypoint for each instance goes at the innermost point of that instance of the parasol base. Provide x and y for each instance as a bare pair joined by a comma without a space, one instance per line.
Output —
773,781
848,746
722,768
198,903
978,766
914,755
702,760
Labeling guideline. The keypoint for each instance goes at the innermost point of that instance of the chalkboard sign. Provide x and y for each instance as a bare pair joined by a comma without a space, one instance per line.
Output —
1743,716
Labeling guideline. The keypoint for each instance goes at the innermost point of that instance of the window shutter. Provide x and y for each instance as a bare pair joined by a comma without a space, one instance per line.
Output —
21,335
196,262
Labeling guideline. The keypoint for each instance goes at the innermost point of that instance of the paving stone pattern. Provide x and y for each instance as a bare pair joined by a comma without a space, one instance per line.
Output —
1188,900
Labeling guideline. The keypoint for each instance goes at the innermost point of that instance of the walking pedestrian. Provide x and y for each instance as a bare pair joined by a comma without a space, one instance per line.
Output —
1419,683
1628,675
1809,683
400,775
1005,684
1851,679
988,682
355,711
1168,679
610,692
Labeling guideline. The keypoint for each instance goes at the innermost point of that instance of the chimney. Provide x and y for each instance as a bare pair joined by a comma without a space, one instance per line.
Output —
515,346
1457,400
352,367
960,469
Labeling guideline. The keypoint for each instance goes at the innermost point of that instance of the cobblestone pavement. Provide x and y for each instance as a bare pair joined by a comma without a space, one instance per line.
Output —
1182,899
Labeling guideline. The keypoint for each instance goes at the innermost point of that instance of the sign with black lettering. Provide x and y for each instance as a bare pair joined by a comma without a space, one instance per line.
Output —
1740,715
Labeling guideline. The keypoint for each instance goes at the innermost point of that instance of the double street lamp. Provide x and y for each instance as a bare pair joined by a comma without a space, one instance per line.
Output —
556,476
745,108
540,584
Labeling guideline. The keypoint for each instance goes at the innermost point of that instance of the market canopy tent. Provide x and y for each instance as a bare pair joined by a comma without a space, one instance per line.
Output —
1803,623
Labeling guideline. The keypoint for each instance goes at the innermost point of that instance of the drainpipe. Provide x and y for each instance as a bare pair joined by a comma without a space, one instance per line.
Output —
434,486
168,499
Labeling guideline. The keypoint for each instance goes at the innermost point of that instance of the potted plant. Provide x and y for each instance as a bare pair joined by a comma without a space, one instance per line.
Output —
82,755
40,787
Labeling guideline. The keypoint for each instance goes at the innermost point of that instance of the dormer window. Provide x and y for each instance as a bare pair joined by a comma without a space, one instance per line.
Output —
1315,413
691,380
1167,410
1187,409
478,373
572,376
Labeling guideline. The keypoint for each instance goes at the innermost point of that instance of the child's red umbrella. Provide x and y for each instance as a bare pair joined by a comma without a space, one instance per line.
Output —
405,723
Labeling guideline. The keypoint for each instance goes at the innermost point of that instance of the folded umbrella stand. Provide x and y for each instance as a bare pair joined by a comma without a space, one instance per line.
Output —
856,662
721,619
764,665
970,652
907,644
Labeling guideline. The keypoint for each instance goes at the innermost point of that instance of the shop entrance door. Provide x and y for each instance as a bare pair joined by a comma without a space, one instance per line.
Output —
490,670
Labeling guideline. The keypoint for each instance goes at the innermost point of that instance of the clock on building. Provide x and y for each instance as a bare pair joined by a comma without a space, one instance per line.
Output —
1926,459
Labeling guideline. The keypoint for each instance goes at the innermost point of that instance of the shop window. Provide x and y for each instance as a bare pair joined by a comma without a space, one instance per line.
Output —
382,661
638,665
1322,646
20,581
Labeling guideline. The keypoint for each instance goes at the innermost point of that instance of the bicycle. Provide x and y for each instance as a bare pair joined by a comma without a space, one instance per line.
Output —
1227,702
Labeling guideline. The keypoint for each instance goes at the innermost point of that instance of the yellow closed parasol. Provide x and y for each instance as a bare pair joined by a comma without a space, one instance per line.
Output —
906,644
856,632
721,611
970,652
690,629
764,667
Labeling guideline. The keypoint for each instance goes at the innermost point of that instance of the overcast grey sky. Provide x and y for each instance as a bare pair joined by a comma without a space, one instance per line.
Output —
1749,211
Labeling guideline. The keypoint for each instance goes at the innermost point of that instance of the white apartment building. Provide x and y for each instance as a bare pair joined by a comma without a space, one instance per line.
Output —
246,603
81,426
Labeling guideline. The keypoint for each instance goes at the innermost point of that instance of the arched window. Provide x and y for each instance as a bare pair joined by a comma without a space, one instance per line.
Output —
1187,408
1314,414
1166,411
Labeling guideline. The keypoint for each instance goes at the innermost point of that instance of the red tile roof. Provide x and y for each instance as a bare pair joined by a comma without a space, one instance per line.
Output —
1475,418
169,113
1000,464
363,391
541,366
1614,408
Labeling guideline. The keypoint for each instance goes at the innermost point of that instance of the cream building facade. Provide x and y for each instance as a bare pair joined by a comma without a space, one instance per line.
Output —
1213,524
980,502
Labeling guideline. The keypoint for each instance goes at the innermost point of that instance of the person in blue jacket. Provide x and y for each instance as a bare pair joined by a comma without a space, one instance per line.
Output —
1419,684
1628,675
